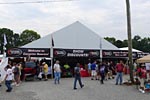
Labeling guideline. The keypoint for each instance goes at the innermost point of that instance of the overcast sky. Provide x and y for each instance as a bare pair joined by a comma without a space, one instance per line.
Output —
105,17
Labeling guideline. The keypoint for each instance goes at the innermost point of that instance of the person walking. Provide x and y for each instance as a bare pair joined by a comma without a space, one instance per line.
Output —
77,76
93,71
119,69
57,72
8,78
102,73
45,70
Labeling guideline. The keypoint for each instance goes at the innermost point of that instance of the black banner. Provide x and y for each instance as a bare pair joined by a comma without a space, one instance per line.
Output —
75,53
117,54
32,52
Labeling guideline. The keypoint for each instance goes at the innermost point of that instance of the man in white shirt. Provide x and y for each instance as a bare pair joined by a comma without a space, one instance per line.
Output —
8,78
57,72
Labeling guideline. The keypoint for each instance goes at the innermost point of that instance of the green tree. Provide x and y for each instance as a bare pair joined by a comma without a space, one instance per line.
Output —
119,43
9,35
145,45
28,36
110,39
136,42
16,40
125,43
142,44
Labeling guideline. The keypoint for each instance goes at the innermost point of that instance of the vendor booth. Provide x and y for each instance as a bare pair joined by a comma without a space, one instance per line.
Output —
77,43
145,61
72,44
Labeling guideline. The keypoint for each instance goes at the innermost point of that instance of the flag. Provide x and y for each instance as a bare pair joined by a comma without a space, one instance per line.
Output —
52,41
5,40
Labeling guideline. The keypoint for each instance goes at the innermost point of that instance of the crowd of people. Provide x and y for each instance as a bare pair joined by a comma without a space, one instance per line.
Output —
16,73
13,75
106,70
98,71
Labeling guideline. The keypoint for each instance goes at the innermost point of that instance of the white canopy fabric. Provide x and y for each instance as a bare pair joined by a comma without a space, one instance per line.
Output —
74,36
3,64
145,59
133,50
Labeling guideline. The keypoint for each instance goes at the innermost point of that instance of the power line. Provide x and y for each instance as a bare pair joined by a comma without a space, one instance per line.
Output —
25,2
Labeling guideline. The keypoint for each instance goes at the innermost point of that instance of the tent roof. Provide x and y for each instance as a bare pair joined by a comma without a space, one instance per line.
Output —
145,59
74,36
133,50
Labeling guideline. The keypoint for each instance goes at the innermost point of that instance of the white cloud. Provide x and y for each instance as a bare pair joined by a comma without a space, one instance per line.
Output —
106,17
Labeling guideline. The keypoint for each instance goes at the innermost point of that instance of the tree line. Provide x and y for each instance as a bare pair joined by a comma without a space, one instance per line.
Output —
139,43
15,40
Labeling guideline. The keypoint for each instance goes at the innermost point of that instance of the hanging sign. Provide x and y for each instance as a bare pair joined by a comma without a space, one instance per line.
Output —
75,53
32,52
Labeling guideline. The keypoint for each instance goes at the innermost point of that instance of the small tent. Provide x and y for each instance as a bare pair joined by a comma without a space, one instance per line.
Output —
133,50
145,59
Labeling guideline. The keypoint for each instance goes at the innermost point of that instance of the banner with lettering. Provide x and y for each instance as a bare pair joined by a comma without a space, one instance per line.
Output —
32,52
76,53
117,54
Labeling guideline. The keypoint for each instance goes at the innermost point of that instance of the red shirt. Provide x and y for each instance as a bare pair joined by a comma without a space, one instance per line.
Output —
142,71
119,67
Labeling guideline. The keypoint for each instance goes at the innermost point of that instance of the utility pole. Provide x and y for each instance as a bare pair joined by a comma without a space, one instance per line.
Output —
129,40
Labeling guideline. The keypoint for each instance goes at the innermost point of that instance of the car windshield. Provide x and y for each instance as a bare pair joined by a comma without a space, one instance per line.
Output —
30,64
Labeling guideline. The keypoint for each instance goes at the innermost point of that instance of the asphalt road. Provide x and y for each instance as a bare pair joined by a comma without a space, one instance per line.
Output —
93,90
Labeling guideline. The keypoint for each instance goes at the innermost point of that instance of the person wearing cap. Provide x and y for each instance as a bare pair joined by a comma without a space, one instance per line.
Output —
142,77
45,70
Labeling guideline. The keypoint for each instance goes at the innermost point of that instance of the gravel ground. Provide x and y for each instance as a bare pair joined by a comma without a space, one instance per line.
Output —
93,90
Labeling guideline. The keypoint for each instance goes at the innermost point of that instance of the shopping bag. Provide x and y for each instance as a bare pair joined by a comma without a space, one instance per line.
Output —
40,75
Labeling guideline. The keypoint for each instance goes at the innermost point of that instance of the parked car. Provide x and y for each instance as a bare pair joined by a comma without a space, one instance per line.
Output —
30,70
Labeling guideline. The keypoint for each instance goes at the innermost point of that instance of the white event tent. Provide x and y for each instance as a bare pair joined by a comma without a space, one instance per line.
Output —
74,36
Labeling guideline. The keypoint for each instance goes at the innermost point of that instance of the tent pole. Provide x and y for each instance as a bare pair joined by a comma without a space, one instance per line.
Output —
101,50
51,52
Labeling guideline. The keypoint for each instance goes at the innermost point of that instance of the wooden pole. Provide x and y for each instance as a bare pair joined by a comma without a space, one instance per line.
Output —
129,40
